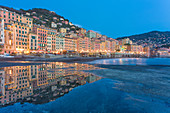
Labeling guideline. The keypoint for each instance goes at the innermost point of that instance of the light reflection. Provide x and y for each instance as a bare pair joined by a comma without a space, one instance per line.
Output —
128,61
120,61
42,83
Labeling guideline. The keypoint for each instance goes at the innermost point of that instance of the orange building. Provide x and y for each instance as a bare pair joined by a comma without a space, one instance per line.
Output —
16,84
42,39
136,49
146,51
9,34
17,28
7,15
83,45
70,44
21,37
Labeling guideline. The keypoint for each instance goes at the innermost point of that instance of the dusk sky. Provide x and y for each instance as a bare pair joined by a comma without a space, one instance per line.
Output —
114,18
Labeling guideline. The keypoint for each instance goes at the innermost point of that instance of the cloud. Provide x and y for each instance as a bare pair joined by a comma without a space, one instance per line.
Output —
17,8
77,25
97,31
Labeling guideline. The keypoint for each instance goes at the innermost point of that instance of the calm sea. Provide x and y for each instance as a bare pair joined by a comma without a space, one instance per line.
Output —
134,85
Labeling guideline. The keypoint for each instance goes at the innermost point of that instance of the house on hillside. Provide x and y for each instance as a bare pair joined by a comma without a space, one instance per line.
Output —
53,25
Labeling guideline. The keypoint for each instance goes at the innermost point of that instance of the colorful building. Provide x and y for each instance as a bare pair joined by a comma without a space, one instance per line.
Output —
9,34
126,41
63,30
60,44
21,37
83,31
83,45
146,51
7,15
98,35
51,40
17,28
163,52
33,42
42,39
70,44
1,30
135,49
91,34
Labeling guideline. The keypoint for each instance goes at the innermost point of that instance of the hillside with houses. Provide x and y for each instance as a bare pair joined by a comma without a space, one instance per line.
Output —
39,31
154,39
47,18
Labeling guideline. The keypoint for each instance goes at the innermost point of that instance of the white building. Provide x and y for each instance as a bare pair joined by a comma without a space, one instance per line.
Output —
28,14
1,31
2,83
61,19
59,23
49,42
53,25
33,42
60,44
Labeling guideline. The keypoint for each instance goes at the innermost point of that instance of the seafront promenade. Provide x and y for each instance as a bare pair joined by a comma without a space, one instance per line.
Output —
68,58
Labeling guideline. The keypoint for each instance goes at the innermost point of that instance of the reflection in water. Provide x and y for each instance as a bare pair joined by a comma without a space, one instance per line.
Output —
42,83
133,61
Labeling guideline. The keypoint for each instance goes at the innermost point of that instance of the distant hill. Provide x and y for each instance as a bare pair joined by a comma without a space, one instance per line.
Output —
45,17
153,38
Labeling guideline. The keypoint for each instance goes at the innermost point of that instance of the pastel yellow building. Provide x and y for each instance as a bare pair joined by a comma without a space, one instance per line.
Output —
63,30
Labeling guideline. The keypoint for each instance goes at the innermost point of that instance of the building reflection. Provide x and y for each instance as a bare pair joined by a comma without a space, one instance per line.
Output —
42,83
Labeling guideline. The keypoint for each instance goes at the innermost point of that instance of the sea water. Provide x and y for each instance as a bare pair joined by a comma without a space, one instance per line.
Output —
127,86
